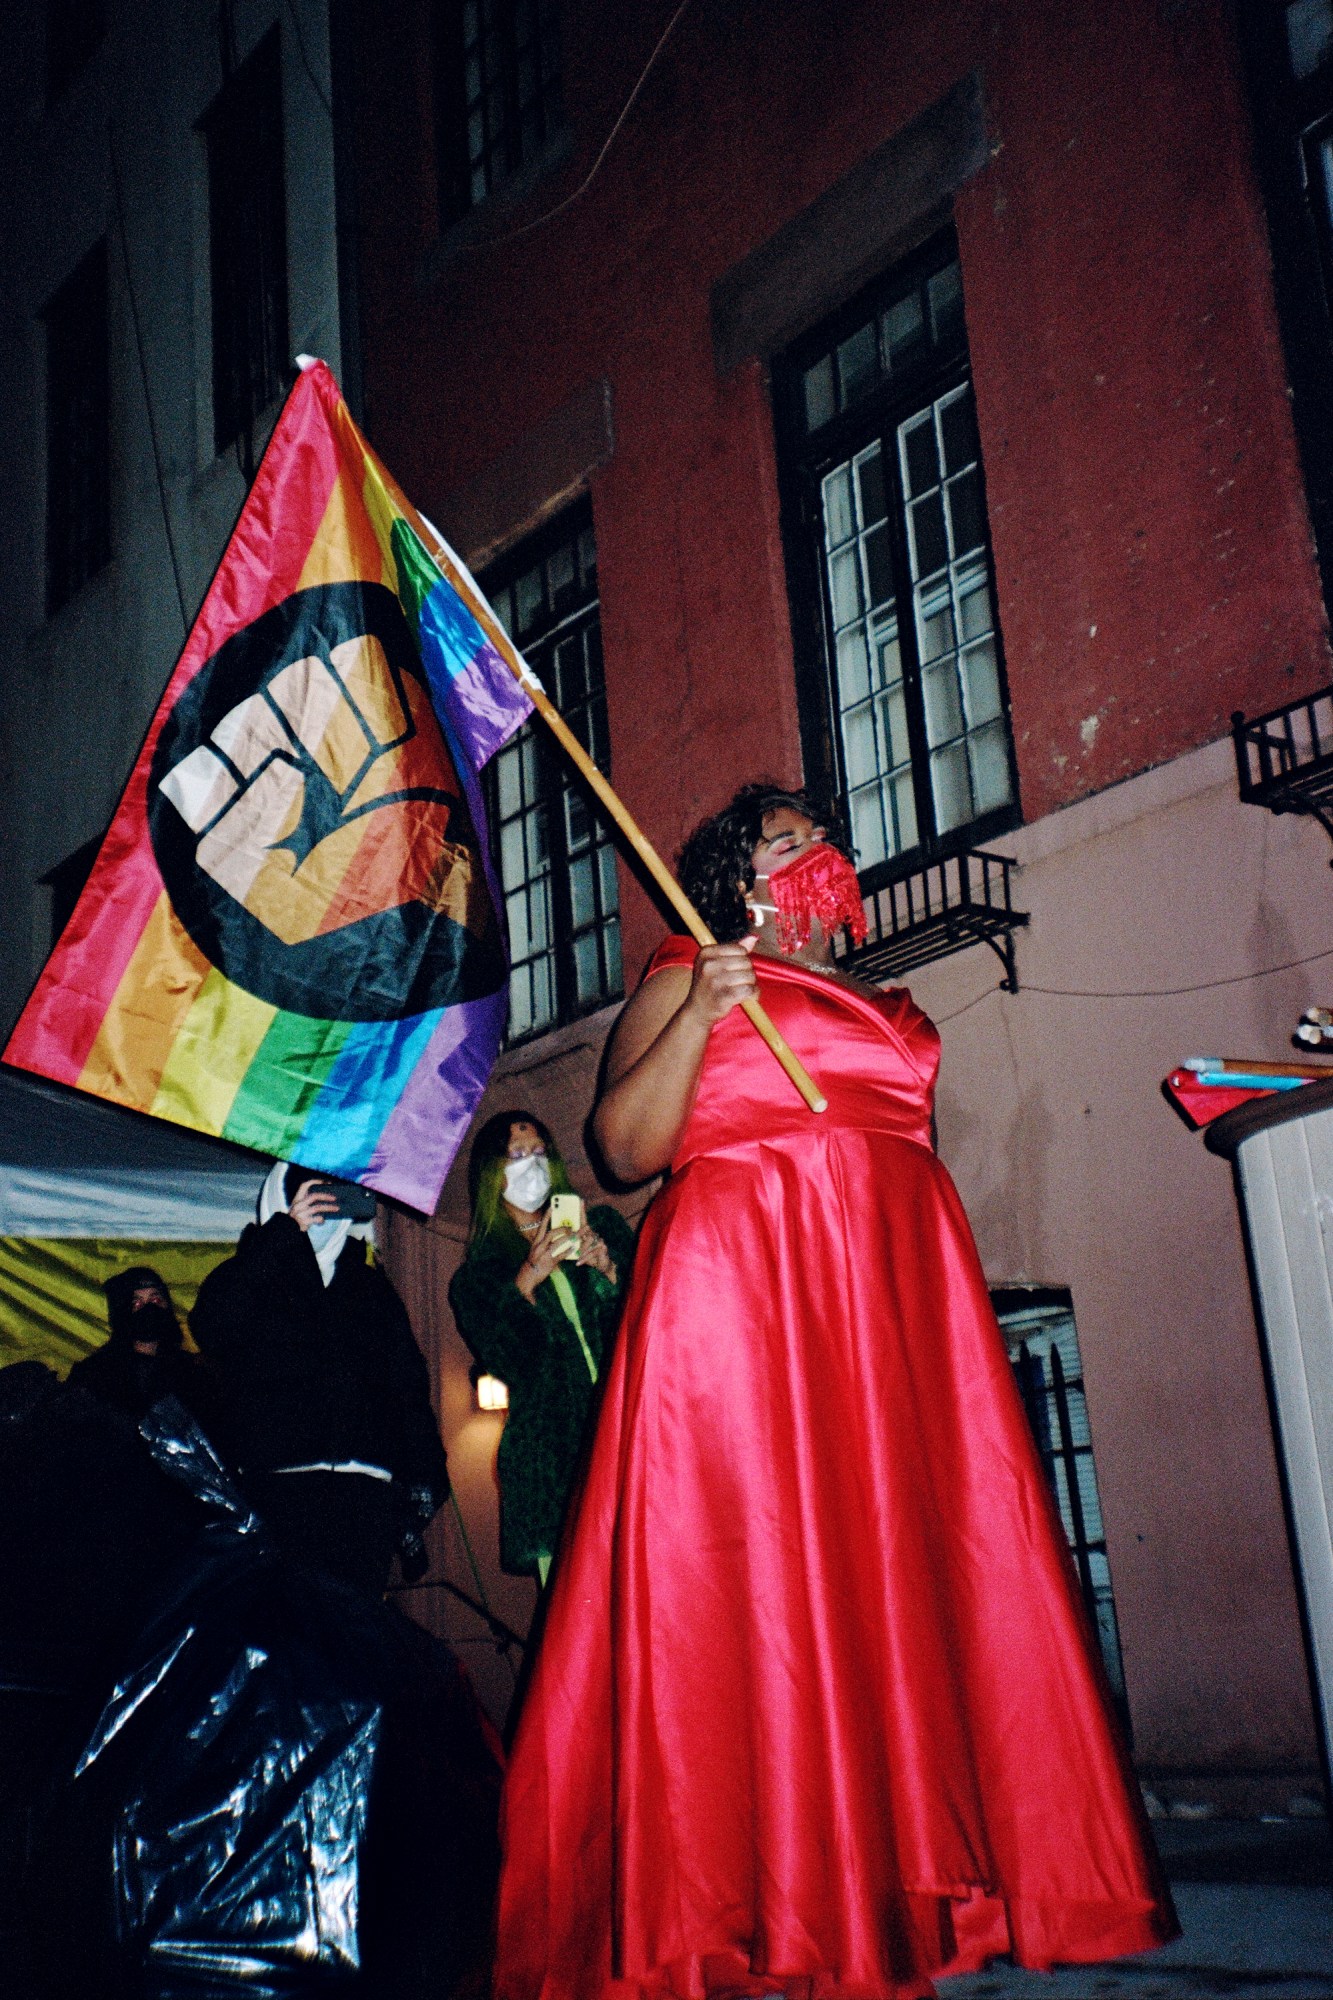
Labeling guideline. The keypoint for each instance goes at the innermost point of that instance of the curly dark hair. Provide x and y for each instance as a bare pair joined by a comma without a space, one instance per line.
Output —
717,857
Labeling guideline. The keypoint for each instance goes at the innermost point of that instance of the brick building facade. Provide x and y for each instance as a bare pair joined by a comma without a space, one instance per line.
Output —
746,349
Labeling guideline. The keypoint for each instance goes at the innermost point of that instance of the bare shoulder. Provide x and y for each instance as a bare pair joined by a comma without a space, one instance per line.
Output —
643,1018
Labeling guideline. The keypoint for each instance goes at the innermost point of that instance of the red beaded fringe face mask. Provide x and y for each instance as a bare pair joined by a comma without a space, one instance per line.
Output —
819,883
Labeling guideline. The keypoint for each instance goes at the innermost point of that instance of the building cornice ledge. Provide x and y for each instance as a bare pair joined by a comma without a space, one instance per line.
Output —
1208,769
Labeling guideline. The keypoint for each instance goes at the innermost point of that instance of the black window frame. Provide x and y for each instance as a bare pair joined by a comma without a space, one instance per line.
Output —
556,779
803,460
527,127
78,429
1055,1405
1291,115
244,136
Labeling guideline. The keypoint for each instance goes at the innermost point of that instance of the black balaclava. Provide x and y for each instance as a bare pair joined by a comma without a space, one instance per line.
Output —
154,1320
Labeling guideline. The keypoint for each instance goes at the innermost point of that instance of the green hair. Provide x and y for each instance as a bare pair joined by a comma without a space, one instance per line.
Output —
492,1225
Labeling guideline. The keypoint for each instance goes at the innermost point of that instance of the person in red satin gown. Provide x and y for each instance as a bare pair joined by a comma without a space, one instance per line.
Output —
817,1710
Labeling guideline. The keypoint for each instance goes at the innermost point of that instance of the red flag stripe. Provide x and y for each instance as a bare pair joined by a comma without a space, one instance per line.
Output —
79,983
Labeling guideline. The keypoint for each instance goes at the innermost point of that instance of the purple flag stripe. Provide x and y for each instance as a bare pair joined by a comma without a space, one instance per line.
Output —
426,1127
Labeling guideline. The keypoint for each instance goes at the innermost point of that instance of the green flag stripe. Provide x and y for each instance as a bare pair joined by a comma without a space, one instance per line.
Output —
417,574
290,1068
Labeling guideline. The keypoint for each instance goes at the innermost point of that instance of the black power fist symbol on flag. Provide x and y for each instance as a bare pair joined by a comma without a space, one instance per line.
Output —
309,823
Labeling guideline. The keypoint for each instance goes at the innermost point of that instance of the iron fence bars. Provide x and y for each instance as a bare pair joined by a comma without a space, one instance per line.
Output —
1042,1342
940,907
1069,1458
1284,760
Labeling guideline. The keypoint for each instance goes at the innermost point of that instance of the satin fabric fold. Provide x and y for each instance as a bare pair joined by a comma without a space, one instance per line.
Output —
817,1708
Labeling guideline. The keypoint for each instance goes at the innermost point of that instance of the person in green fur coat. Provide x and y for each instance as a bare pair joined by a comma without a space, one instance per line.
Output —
538,1307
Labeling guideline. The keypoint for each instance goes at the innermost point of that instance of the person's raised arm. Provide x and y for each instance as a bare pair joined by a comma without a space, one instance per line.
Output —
657,1052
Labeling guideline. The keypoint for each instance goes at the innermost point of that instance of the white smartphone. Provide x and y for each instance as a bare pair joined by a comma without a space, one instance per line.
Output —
567,1213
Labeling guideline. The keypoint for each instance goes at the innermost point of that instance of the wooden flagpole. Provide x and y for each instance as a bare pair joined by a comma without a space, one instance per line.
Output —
618,813
663,877
460,579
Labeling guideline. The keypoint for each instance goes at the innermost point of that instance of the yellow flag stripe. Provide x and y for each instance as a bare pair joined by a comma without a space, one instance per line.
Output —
212,1052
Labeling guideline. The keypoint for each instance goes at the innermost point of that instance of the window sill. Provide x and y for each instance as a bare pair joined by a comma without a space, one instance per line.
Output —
941,847
495,216
566,1038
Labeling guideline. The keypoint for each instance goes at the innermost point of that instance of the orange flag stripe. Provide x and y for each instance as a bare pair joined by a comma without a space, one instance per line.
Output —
345,548
156,992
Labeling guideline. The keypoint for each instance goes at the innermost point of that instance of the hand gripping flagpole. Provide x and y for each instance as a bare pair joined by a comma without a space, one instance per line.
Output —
621,816
660,873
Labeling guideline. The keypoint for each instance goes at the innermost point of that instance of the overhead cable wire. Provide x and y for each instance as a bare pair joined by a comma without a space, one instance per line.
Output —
504,1635
525,229
1137,993
1171,992
941,1019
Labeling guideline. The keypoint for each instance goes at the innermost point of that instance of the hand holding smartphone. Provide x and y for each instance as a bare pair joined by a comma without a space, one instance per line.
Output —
566,1212
354,1202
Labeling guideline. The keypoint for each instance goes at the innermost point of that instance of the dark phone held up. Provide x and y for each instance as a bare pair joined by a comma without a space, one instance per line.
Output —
356,1203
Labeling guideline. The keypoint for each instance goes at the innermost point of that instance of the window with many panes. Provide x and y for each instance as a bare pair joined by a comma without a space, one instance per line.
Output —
78,430
1308,37
497,94
1042,1341
247,223
553,852
1289,57
904,712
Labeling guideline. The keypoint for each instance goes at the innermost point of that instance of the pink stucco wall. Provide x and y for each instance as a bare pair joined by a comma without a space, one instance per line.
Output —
1076,1172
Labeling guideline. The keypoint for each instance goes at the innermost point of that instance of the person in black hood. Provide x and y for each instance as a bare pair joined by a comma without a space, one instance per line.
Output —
323,1397
143,1360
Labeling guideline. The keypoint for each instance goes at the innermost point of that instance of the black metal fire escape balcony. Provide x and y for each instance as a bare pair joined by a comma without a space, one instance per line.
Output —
940,907
1285,759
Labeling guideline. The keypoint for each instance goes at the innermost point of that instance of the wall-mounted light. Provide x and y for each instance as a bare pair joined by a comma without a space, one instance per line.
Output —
492,1393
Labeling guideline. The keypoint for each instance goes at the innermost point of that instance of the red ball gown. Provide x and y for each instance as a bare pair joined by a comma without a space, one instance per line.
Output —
816,1710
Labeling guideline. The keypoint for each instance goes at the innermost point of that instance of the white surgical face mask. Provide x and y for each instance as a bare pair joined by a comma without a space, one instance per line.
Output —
528,1182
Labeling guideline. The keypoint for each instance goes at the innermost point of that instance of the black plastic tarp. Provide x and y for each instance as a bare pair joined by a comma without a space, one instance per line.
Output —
285,1788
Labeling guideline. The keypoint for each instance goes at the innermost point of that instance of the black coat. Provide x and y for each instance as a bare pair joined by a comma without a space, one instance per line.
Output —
132,1382
306,1372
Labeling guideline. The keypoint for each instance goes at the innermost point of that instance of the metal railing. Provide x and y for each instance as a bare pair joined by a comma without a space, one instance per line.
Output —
1284,760
939,908
1065,1450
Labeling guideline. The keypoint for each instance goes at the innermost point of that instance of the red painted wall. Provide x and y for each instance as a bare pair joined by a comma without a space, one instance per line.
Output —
1149,524
1150,527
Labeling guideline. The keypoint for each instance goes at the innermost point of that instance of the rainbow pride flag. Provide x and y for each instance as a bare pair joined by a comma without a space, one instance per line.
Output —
290,937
